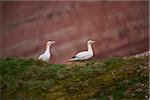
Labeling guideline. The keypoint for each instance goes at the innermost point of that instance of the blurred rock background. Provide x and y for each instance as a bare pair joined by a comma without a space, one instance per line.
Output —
120,28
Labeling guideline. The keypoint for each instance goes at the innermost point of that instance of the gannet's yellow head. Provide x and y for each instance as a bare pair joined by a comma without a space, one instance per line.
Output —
91,41
50,42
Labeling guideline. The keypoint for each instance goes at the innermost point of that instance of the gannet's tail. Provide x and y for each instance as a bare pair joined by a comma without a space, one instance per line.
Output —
74,59
40,57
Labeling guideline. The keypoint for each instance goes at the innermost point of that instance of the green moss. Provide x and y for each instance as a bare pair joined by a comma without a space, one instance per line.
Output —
114,78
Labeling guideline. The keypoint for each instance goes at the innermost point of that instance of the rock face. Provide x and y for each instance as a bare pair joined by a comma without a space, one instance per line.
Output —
119,28
147,53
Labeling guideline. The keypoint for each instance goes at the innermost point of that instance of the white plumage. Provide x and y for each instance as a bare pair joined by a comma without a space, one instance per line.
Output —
84,54
46,55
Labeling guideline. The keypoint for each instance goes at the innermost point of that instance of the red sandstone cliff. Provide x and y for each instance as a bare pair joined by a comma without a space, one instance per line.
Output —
119,28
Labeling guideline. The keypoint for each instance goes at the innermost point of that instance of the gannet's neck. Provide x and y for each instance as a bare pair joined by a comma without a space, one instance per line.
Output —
47,50
89,46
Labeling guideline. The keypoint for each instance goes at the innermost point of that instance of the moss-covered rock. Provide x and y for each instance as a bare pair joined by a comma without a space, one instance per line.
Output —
113,78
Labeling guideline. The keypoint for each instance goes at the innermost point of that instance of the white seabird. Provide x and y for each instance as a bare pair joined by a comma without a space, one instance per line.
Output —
46,55
84,54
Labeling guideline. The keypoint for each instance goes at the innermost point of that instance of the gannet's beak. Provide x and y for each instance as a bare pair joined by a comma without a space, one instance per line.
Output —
93,41
52,42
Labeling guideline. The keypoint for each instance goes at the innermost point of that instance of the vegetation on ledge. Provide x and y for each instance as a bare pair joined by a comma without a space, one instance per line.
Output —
113,78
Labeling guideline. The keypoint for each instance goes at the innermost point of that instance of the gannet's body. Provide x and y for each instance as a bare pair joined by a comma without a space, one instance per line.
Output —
46,55
84,54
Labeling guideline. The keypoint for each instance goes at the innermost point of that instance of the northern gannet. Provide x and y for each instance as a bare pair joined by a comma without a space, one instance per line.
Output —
84,54
46,55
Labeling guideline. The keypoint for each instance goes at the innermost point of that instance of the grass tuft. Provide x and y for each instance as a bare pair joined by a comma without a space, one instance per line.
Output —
113,78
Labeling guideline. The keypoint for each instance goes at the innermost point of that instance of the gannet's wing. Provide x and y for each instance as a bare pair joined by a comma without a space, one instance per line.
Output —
80,56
